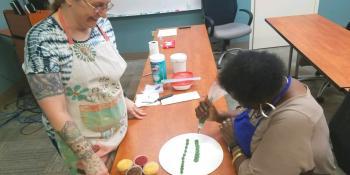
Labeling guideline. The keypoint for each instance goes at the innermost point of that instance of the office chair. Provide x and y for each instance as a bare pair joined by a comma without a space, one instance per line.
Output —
220,21
302,61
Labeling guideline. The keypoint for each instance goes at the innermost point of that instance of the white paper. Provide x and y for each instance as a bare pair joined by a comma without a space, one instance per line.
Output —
167,32
147,99
149,89
181,97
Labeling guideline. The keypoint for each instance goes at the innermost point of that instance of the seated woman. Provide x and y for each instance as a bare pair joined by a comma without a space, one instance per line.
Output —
279,129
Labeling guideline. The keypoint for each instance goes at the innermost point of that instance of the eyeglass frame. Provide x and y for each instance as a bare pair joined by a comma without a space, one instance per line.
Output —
100,8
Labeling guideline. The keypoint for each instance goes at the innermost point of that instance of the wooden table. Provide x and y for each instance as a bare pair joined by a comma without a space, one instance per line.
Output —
164,122
325,44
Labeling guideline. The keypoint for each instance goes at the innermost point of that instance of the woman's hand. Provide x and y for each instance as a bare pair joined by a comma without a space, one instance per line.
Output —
95,166
207,111
103,150
133,110
227,133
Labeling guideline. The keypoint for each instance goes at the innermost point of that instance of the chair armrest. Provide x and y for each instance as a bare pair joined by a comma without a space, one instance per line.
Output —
250,15
211,24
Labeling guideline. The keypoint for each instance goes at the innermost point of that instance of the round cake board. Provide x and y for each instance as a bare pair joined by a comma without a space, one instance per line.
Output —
210,155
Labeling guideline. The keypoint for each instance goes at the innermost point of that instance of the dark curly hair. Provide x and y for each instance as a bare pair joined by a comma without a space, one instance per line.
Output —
252,77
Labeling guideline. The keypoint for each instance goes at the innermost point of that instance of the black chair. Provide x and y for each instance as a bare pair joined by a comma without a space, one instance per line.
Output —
220,21
339,132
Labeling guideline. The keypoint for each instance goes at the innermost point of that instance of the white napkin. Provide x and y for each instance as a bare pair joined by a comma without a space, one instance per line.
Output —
167,32
147,99
181,97
157,88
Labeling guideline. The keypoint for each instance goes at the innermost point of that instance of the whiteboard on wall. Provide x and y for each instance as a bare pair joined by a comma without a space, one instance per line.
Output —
146,7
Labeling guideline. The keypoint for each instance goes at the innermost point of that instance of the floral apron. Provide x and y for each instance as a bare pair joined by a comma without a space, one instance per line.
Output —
94,96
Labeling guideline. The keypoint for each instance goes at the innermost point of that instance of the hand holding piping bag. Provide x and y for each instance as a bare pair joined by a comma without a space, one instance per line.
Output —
206,110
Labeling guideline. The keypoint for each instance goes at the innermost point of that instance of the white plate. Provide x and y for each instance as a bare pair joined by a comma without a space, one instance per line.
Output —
211,155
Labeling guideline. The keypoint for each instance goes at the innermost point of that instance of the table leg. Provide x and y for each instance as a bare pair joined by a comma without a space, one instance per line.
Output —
296,73
290,60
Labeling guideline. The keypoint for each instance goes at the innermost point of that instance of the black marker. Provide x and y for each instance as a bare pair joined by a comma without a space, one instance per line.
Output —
184,27
164,97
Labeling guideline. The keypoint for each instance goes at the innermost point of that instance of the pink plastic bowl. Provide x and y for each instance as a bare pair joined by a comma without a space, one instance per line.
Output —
184,85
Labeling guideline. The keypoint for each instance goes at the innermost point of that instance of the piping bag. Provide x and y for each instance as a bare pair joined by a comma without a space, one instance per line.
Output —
215,93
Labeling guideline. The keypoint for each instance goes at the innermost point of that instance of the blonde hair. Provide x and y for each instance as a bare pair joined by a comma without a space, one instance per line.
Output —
56,5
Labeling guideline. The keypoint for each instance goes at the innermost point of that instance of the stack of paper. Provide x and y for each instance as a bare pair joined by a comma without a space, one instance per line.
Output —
167,32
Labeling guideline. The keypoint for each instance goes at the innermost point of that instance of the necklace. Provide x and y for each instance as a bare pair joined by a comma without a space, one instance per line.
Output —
82,50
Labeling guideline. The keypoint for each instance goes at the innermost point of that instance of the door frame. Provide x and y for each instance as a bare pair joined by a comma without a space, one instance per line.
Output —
252,4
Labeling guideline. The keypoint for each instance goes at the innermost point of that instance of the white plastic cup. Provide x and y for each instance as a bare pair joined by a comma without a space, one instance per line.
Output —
178,62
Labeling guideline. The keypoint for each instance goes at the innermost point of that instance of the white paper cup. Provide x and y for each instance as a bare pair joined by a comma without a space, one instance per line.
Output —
178,62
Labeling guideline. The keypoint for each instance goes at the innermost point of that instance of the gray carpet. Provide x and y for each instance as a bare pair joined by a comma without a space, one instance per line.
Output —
28,154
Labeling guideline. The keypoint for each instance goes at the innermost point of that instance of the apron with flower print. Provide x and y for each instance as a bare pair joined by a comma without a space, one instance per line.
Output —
94,96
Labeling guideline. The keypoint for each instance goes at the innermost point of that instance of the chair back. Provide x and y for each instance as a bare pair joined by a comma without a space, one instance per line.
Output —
221,11
339,133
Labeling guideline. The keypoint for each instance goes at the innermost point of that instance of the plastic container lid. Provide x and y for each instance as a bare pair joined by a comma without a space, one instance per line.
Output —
157,58
178,57
124,164
141,160
151,168
135,170
183,85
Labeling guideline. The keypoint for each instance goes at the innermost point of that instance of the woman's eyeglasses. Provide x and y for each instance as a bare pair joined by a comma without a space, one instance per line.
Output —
100,8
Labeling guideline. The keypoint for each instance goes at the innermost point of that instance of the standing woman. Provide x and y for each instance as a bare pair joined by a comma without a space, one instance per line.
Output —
279,129
73,68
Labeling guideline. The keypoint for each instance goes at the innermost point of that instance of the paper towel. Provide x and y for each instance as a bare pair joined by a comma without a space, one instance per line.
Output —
153,47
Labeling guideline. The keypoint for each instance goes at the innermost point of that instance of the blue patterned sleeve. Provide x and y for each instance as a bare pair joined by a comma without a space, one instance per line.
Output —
40,53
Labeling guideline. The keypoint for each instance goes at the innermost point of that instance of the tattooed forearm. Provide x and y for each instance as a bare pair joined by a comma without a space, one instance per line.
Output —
81,147
72,136
45,85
